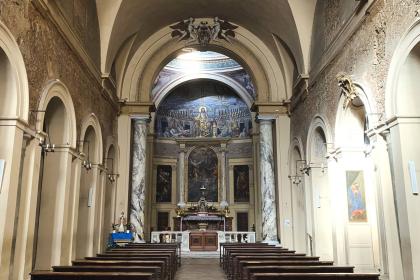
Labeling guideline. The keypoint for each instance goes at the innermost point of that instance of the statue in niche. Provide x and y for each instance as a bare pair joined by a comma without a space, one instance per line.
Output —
202,122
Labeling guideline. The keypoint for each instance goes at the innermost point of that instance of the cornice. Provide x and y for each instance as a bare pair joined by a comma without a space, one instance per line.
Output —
50,11
346,31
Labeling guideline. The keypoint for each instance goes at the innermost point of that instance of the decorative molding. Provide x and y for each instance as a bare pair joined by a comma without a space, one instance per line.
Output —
347,89
300,91
271,108
50,11
137,108
343,35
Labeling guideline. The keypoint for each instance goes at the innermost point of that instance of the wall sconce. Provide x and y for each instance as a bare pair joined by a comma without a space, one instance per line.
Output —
87,164
308,167
111,176
296,179
46,146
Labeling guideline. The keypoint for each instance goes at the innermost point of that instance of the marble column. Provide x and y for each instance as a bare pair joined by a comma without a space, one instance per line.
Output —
138,176
180,176
223,203
267,182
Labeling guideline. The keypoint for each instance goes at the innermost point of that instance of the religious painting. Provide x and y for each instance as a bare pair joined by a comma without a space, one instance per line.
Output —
356,199
203,175
203,109
163,183
241,183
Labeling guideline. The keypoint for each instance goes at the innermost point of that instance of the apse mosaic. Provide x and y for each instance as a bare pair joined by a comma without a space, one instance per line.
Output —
202,173
203,109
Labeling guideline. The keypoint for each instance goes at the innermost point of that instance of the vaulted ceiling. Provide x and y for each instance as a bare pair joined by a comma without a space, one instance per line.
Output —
288,20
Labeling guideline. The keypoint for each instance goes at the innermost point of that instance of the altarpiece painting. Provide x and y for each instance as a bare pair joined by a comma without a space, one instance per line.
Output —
163,183
241,183
203,172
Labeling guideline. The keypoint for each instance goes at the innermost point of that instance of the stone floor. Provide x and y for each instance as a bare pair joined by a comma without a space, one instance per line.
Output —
200,269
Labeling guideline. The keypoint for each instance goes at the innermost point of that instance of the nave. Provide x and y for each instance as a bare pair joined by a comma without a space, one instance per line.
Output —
237,261
293,123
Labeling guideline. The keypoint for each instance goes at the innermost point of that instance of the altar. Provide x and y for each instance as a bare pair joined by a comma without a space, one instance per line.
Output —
213,222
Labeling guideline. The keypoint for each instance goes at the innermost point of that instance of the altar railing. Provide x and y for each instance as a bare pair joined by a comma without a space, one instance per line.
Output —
184,237
237,237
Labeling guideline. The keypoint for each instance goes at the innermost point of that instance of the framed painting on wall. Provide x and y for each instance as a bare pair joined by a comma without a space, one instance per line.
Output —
163,183
356,199
241,183
203,172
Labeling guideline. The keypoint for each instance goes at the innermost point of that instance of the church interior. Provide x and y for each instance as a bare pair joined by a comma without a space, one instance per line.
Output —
209,139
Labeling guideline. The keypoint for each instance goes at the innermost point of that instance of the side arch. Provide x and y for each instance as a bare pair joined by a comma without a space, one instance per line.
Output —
13,61
58,89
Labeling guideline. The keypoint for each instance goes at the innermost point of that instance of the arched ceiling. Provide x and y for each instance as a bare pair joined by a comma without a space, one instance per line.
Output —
120,19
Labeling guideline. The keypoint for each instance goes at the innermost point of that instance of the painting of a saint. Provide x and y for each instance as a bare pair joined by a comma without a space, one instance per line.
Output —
356,196
241,183
202,172
163,183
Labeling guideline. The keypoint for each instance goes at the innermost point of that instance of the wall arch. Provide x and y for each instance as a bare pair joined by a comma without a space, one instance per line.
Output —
409,40
238,88
149,58
88,222
54,183
15,86
57,89
298,198
93,121
322,219
403,118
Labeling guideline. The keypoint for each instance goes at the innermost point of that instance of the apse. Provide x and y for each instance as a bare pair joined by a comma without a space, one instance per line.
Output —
203,108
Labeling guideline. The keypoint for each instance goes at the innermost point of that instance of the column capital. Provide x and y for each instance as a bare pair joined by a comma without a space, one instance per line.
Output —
137,108
145,118
265,118
271,108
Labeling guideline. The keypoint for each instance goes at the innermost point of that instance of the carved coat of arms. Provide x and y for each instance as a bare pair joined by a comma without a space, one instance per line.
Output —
203,33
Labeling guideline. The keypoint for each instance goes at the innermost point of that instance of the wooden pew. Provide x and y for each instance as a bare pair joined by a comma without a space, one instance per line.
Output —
234,264
164,267
250,249
50,275
144,252
224,245
314,276
155,270
245,263
149,246
249,270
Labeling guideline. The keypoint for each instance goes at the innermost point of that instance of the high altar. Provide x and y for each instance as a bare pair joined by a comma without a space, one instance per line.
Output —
204,138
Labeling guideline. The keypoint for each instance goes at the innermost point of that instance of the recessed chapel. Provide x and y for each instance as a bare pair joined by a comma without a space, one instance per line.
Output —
209,139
